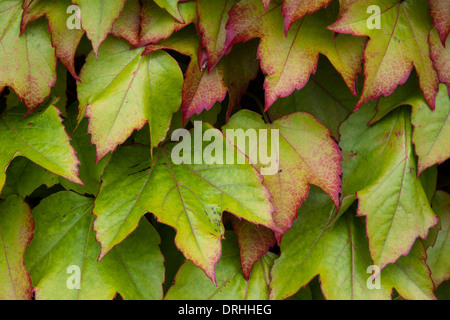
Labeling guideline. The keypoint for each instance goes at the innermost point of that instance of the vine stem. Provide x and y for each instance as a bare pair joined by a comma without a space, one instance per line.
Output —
260,105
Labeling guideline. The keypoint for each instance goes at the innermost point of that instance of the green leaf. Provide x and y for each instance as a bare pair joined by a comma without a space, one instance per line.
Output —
129,23
379,164
97,18
121,91
187,197
64,39
16,231
192,284
64,242
297,9
40,138
157,24
28,62
171,6
400,43
437,255
307,155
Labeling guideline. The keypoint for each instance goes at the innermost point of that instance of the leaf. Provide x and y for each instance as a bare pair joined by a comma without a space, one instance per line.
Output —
325,96
438,258
89,171
379,164
439,10
97,18
307,155
129,23
393,50
64,40
64,241
253,241
432,130
16,231
121,91
441,57
28,62
297,9
171,6
40,138
212,18
192,284
187,197
339,254
281,55
23,177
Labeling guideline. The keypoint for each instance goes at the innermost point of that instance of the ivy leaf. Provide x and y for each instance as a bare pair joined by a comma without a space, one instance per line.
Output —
325,96
254,241
187,197
441,57
64,242
281,54
97,18
379,163
297,9
307,155
393,50
171,6
23,177
339,254
30,70
16,231
192,284
157,24
438,258
121,91
40,138
212,18
64,40
128,24
439,10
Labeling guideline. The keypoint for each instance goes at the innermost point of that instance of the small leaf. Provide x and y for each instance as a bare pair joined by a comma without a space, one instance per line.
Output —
171,7
439,10
441,57
297,9
16,231
128,24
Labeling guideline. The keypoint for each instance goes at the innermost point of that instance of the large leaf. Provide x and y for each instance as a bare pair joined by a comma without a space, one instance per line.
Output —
64,242
121,91
64,39
97,18
307,155
39,137
281,55
16,231
379,165
400,43
437,255
188,197
339,254
28,62
192,284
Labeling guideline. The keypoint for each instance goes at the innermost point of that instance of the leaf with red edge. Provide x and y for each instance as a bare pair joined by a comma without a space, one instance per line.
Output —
393,50
28,62
122,90
202,89
157,24
266,3
64,40
288,61
441,57
440,13
16,232
307,155
212,18
297,9
128,25
97,18
254,241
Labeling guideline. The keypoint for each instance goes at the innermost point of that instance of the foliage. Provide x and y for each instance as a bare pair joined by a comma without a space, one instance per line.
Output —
93,203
